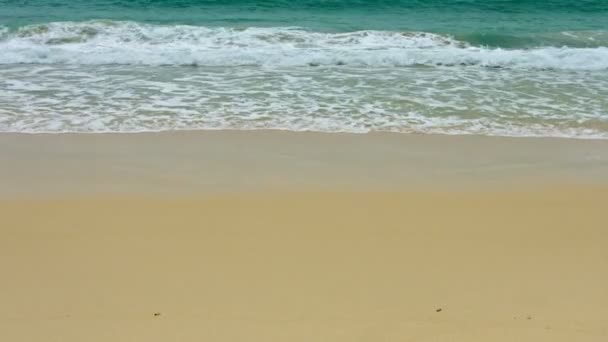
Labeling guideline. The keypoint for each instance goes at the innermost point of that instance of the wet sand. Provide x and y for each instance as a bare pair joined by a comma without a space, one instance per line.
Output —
271,236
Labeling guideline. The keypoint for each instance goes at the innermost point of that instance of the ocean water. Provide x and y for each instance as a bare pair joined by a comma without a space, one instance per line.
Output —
490,67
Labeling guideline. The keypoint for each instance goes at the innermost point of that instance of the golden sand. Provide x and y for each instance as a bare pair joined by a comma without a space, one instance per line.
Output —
308,267
510,263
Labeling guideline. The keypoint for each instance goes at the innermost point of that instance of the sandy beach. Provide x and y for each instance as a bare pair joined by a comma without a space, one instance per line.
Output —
275,236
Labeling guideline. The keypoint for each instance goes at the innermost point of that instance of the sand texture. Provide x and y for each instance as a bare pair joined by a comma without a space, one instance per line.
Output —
514,256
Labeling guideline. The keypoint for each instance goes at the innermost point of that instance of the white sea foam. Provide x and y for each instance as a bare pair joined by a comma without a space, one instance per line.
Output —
76,98
129,43
96,77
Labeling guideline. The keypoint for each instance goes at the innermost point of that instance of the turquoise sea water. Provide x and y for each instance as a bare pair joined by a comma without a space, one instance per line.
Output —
497,67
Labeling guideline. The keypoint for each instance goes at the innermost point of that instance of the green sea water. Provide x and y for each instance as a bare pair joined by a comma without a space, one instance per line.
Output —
500,23
496,67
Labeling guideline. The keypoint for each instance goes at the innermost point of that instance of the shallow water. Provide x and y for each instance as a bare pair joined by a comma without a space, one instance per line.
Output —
518,68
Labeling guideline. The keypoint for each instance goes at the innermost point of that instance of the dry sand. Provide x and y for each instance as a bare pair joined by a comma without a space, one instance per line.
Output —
296,237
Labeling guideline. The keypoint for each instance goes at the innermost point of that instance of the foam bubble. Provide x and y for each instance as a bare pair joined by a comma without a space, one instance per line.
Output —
130,43
69,98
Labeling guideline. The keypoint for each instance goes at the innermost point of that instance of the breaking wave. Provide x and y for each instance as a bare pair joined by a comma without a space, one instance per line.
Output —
131,43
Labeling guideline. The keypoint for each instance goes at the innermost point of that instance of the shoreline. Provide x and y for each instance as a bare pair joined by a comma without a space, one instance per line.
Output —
193,162
304,132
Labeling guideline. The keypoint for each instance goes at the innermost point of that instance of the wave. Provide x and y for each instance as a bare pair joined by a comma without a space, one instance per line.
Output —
572,39
131,43
114,98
